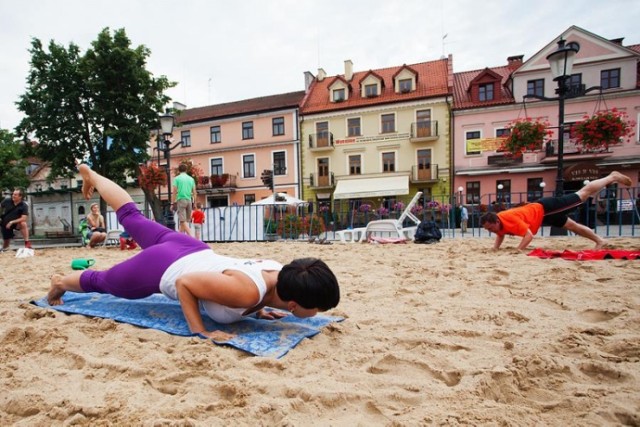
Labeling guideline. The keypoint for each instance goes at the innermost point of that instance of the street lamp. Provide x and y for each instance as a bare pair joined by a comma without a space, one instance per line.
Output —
460,189
561,62
500,187
166,124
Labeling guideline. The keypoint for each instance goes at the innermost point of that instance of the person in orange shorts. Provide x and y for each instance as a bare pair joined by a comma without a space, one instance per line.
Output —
525,220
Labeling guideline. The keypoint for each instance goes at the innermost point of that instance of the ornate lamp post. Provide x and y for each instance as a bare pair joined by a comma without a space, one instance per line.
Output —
460,190
167,123
561,62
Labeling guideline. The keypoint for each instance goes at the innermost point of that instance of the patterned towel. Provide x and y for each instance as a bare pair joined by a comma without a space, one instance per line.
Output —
269,338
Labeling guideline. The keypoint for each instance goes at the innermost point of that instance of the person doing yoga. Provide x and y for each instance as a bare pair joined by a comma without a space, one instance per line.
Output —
186,269
525,220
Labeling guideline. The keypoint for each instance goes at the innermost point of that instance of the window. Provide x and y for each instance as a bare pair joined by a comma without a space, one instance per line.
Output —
216,166
485,92
338,95
216,136
247,130
471,135
535,87
323,172
355,164
249,199
534,191
503,195
423,123
353,126
248,166
370,90
279,163
388,162
278,126
322,134
405,85
574,84
473,192
185,138
424,164
610,78
388,122
503,133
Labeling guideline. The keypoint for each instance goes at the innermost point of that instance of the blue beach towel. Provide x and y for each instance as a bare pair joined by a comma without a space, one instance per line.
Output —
269,338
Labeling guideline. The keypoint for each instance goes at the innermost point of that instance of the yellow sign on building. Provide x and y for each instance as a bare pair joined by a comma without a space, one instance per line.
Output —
484,144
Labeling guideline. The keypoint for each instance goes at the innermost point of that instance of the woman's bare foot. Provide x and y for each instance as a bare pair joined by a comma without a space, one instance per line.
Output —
56,291
87,184
620,178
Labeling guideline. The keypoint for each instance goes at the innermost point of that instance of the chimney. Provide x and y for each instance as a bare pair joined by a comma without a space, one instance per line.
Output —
179,106
514,62
617,41
308,78
348,70
321,74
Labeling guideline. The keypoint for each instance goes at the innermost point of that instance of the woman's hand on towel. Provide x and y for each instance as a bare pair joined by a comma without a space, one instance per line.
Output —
271,315
217,335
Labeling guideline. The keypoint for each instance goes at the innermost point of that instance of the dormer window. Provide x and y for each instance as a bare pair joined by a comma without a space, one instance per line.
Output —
485,92
371,90
405,85
338,95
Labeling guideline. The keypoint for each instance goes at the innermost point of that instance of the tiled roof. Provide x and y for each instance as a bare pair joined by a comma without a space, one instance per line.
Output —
237,108
634,47
462,95
432,82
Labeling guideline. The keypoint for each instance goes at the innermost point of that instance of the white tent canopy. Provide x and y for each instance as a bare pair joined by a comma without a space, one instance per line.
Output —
283,199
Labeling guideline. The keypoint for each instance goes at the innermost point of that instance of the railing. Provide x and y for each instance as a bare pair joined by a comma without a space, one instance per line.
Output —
224,181
612,216
321,140
325,181
424,130
424,173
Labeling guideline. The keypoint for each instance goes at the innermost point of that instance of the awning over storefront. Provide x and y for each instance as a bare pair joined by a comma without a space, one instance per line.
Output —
371,187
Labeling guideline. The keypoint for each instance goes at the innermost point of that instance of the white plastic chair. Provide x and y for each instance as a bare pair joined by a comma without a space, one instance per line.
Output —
393,227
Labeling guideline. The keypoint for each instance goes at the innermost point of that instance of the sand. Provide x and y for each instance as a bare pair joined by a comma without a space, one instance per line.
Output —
446,334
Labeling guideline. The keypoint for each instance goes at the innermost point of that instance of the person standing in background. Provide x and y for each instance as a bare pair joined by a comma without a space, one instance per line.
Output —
184,187
197,217
464,218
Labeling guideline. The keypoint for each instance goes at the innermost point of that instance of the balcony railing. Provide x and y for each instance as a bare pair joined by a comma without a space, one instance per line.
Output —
321,140
216,183
425,130
503,160
325,181
424,173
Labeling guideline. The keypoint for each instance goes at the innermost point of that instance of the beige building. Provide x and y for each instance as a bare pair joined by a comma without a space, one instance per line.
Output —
377,136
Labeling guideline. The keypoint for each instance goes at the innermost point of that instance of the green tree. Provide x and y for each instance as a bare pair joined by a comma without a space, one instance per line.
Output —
13,173
99,107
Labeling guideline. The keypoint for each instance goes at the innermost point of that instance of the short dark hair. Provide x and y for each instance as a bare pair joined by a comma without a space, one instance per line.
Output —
490,217
19,190
309,282
182,167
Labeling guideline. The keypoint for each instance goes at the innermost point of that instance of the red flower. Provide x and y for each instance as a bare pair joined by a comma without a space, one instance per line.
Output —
604,128
525,135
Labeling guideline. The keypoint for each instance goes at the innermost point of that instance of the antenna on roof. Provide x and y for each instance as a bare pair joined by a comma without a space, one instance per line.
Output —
209,90
443,37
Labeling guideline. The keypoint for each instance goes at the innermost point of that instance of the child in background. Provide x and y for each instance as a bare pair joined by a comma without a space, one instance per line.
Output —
197,217
126,241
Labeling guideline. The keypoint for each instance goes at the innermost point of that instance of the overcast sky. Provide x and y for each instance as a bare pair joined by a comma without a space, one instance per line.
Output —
221,51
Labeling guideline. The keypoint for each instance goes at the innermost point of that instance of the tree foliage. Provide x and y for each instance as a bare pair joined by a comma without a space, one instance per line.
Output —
13,171
100,106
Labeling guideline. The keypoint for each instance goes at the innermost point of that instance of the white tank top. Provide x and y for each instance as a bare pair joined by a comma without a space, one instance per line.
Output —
208,261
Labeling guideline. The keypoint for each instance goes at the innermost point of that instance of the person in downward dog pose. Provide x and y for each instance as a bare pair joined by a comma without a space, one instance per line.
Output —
525,220
183,268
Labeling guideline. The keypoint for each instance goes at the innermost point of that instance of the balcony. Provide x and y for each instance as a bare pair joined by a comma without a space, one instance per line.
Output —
424,131
324,182
216,184
502,160
571,151
424,173
321,141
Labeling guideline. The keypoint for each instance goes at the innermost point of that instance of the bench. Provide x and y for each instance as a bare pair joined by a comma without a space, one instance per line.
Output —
57,234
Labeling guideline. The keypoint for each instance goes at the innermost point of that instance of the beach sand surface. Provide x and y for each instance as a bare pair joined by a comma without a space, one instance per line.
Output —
451,333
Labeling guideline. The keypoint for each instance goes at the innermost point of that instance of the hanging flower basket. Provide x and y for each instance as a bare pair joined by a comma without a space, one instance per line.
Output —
152,176
604,128
525,135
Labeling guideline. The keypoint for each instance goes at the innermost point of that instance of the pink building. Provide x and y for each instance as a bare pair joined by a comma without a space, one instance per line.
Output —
485,101
233,143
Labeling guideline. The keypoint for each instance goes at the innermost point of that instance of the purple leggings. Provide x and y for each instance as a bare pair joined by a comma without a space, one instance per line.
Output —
140,275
